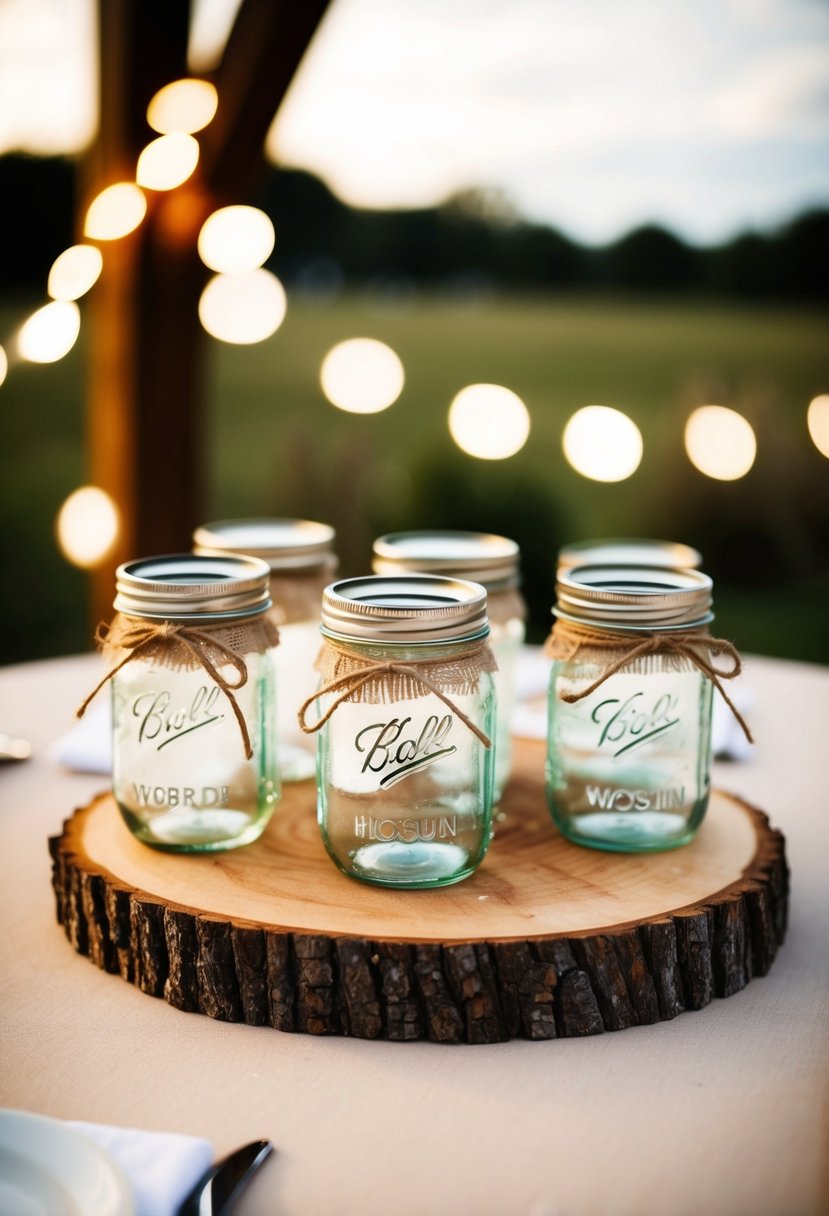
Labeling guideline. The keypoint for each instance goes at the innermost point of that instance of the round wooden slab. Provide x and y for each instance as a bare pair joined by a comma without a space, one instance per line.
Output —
547,939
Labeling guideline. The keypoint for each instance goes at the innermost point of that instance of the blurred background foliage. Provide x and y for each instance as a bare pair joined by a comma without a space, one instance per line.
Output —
472,244
466,292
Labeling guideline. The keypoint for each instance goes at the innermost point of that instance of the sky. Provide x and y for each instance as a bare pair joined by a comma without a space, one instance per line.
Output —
709,116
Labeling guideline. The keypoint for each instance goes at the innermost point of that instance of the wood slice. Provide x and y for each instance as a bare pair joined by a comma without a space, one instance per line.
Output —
546,940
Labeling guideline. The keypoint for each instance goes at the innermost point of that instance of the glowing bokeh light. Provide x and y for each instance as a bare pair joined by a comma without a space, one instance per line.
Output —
720,442
243,308
4,365
74,272
362,376
489,421
167,162
817,420
87,526
235,239
183,106
50,333
115,212
602,443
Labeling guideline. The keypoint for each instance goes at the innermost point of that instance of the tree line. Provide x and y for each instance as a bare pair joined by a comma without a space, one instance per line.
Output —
470,244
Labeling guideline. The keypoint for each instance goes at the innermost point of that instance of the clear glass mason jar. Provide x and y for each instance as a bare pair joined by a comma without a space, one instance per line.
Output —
628,763
181,776
629,551
302,563
492,561
404,782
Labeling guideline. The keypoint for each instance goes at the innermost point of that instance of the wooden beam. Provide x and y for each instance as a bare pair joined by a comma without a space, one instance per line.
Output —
266,45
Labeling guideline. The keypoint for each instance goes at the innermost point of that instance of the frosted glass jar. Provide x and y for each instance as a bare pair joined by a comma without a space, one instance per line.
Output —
299,553
194,751
492,561
406,713
628,763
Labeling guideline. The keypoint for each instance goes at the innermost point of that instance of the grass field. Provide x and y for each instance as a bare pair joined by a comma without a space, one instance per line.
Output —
276,446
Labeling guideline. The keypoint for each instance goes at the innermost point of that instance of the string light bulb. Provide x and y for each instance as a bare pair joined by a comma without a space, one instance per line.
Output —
74,271
183,107
720,442
50,333
362,376
87,527
115,212
243,308
602,443
489,421
167,162
235,239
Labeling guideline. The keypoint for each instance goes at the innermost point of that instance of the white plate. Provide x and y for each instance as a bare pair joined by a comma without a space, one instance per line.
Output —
48,1169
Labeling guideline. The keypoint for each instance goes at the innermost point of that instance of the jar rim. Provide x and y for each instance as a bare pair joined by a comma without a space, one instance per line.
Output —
482,557
287,545
629,551
634,598
187,586
404,610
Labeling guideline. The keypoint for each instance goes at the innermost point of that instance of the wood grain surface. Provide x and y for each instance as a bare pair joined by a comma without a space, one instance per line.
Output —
546,940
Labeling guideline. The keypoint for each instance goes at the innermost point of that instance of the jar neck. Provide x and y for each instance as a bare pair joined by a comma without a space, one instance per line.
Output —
628,629
207,621
403,651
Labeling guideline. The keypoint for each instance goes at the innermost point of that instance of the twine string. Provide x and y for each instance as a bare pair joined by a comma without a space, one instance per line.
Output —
352,681
138,637
695,645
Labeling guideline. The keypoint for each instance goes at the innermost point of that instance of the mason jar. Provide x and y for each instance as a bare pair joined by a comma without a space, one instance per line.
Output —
629,551
300,555
629,728
492,561
193,695
405,714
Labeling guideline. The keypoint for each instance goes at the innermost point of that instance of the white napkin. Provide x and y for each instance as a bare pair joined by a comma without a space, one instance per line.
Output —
160,1166
727,739
87,747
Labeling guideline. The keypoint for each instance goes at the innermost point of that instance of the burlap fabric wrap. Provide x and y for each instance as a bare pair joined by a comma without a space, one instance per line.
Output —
349,675
186,647
612,651
296,596
505,605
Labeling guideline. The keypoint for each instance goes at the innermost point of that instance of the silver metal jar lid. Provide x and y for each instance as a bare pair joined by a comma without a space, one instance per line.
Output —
633,598
406,610
480,556
629,551
191,587
290,545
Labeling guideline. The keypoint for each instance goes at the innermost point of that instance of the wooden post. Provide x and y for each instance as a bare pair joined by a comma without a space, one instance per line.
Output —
146,421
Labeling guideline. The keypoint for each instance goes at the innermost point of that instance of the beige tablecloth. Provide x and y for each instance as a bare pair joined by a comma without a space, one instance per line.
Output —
719,1112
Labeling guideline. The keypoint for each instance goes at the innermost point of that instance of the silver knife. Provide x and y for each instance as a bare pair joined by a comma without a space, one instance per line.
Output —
219,1186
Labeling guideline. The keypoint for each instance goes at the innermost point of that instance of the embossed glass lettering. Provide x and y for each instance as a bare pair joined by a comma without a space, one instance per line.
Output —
162,725
394,757
627,723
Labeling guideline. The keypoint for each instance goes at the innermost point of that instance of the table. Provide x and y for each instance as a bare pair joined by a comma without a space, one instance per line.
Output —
719,1111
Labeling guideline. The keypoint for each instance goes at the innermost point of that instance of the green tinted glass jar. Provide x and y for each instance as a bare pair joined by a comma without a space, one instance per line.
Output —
406,715
629,732
300,556
193,696
492,561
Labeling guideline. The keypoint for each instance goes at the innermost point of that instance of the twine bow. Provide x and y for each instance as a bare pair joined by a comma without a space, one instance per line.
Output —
138,636
695,645
346,685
